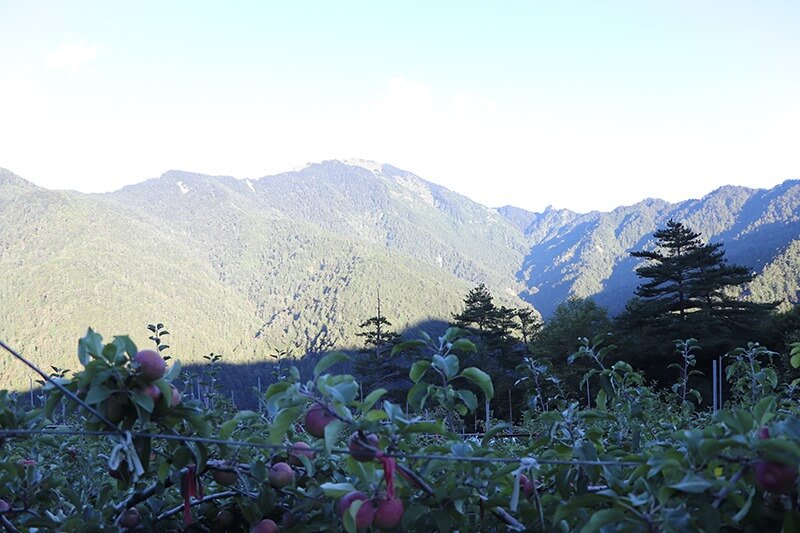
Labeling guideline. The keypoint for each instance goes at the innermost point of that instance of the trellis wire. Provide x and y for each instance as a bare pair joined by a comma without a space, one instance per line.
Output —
207,440
263,445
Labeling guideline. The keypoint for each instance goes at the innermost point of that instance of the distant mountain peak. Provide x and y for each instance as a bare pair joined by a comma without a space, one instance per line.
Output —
365,163
9,178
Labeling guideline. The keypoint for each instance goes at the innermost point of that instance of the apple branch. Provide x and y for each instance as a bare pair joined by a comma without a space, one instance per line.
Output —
210,497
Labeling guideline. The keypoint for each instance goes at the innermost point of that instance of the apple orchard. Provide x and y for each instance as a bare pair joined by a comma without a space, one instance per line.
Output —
131,453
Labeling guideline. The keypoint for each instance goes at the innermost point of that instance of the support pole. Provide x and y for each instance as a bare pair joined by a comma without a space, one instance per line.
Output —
486,428
714,385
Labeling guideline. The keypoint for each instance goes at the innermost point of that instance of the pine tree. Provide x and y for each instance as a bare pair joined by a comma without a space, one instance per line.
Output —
478,310
375,365
687,292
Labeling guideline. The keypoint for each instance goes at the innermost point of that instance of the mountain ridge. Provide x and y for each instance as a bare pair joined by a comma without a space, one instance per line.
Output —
294,261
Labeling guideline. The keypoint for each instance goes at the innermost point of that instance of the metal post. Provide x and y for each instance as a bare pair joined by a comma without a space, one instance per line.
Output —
714,385
486,429
31,389
721,381
588,396
510,413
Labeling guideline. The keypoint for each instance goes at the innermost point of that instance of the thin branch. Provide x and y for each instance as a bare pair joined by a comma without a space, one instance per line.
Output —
7,525
71,395
210,497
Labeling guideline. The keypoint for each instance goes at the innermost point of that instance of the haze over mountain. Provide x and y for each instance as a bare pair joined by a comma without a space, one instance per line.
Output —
294,261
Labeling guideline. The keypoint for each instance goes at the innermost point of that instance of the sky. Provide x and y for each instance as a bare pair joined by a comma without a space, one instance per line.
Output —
579,105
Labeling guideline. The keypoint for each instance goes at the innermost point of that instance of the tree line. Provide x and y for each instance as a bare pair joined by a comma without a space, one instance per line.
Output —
687,289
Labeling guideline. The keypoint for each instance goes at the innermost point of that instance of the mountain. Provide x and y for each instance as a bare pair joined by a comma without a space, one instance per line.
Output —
244,268
294,262
572,255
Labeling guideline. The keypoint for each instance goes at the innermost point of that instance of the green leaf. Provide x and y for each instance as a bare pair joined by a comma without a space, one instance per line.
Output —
144,402
174,372
764,410
226,429
481,379
341,388
469,399
328,361
603,518
89,346
97,394
451,366
464,345
337,490
454,333
53,400
375,415
371,399
281,423
245,415
418,370
434,428
259,470
408,346
349,517
417,395
200,425
692,484
487,437
332,431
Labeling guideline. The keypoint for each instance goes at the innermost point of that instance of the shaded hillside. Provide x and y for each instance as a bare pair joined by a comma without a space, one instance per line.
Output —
233,266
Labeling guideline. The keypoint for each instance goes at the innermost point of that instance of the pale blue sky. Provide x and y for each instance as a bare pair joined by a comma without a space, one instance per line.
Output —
585,105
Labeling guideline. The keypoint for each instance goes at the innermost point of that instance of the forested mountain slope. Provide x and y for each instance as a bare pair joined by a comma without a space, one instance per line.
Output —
294,261
242,268
574,255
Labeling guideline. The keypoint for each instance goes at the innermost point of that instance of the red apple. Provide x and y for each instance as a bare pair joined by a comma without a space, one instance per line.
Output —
526,486
225,519
225,477
151,365
317,417
152,391
365,514
348,499
775,477
388,514
300,448
265,526
281,475
176,396
130,518
290,519
358,451
763,433
117,407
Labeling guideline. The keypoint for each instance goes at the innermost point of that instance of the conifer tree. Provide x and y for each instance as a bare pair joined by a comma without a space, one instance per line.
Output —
687,291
